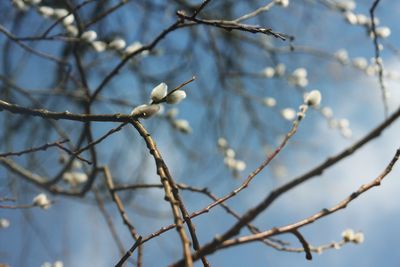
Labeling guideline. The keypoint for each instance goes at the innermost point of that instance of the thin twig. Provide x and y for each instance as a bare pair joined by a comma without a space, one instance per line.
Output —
378,59
34,149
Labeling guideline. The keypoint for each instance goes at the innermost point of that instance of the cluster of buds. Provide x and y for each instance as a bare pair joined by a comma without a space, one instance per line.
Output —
117,44
76,175
270,72
299,77
23,5
311,99
55,264
4,223
62,14
350,236
158,95
347,8
342,124
230,157
42,201
180,124
369,68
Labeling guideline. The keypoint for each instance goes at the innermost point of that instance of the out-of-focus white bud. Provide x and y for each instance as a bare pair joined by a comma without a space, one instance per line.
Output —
99,46
240,165
176,97
362,19
75,178
346,132
269,102
182,125
383,32
20,5
172,113
230,162
300,73
68,20
145,111
222,143
280,69
358,238
60,13
89,36
133,48
159,92
72,30
288,114
360,63
350,17
348,235
342,56
282,3
343,123
117,44
346,5
230,153
327,112
42,201
4,223
46,11
313,98
268,72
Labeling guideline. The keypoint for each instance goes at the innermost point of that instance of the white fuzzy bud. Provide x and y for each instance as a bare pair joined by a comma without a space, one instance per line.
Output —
348,235
300,73
33,2
327,112
72,30
282,3
182,125
288,114
222,143
346,132
350,17
60,13
342,56
360,63
269,102
89,36
46,11
268,72
383,32
230,153
133,48
362,19
172,113
358,238
176,97
343,123
313,98
68,20
240,165
159,92
346,5
280,69
117,44
99,46
4,223
145,111
20,5
42,201
75,178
